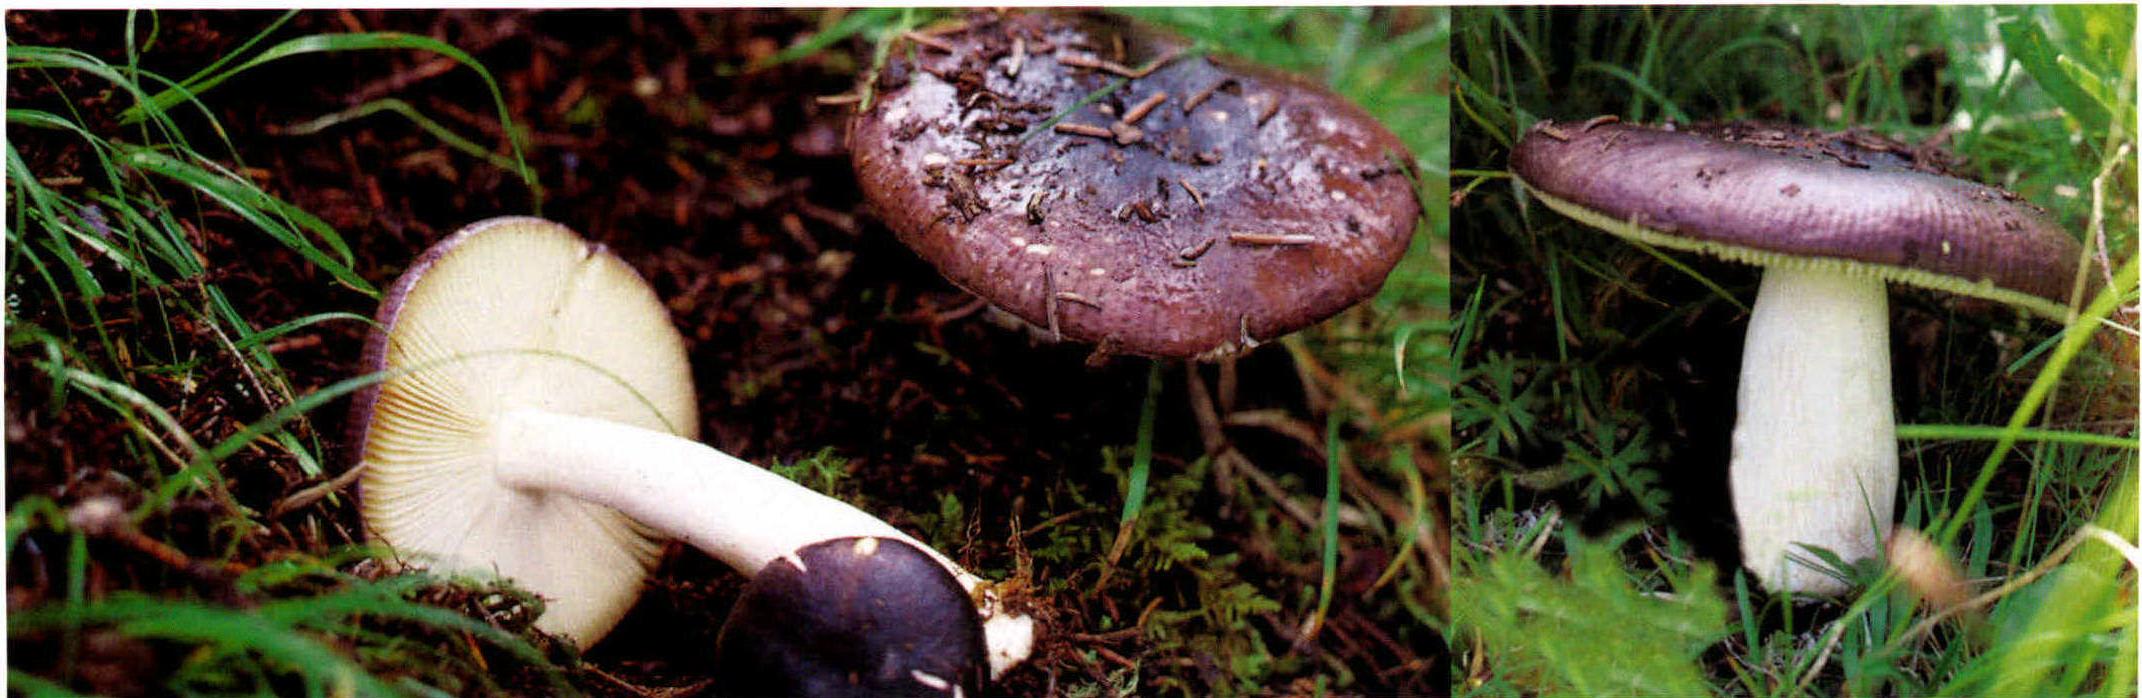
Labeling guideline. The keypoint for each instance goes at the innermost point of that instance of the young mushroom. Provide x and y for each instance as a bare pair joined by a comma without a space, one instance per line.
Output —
1201,207
1831,217
538,421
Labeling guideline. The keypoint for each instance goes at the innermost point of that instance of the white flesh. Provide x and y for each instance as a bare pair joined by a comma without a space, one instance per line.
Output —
741,514
1814,445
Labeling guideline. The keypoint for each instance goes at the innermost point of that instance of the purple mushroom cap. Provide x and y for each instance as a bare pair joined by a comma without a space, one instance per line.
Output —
1765,193
1201,207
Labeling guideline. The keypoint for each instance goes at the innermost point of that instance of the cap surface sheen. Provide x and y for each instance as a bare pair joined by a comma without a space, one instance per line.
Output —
852,617
1202,207
515,313
1771,194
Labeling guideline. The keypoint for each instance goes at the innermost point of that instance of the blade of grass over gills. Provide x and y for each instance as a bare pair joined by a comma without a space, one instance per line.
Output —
204,464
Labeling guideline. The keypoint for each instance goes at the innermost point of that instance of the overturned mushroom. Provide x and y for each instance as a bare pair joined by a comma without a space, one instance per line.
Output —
1832,217
1106,183
537,422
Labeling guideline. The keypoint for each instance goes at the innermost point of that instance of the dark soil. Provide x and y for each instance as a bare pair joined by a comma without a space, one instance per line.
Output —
812,329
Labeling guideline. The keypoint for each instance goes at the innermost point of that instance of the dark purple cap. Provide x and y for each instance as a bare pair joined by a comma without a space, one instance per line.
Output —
1204,206
852,617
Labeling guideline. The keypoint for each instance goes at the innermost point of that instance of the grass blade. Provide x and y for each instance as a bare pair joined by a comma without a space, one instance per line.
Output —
1974,432
1141,471
261,209
1328,525
332,43
848,26
2071,344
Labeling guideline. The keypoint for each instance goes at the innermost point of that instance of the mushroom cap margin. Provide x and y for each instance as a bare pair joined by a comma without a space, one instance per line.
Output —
1771,194
506,313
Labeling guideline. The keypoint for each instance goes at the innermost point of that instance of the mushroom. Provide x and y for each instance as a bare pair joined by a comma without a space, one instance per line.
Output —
852,617
1199,207
1831,217
537,422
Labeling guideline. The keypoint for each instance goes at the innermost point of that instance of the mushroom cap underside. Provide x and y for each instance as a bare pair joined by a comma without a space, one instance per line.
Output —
514,313
1198,209
1771,194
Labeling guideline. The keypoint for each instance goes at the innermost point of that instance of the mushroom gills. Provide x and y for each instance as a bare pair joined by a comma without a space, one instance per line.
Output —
515,311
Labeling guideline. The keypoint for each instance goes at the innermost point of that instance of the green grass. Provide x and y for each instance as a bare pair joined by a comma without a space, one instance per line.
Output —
1579,408
283,646
109,295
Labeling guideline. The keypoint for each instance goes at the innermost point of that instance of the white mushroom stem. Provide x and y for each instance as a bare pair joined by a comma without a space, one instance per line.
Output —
741,514
1814,445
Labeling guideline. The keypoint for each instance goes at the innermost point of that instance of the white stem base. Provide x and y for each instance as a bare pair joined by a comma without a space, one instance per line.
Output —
1814,445
741,514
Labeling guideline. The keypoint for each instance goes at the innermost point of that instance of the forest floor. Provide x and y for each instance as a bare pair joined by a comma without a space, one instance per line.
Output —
817,341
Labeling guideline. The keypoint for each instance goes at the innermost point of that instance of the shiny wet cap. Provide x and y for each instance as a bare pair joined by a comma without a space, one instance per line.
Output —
852,617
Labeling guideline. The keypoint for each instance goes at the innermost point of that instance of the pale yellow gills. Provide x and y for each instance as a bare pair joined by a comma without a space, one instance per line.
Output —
517,313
